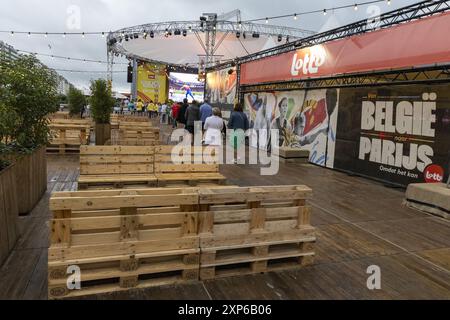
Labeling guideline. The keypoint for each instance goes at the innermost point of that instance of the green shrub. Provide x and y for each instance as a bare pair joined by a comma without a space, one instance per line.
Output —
28,94
101,101
76,101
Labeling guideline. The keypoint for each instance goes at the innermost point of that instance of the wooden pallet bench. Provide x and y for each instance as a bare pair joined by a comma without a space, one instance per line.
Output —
68,134
187,168
253,230
122,239
116,166
117,119
138,134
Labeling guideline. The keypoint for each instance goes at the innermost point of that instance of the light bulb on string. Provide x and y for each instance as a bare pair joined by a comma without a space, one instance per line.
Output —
267,20
46,34
324,12
103,34
355,7
29,34
388,2
295,16
12,33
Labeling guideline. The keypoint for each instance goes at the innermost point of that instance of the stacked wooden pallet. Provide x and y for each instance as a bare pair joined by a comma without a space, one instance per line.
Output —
116,119
60,115
187,165
253,230
68,134
116,166
137,134
122,239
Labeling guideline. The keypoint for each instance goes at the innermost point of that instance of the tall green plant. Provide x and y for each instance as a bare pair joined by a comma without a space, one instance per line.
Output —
8,124
76,101
28,90
101,101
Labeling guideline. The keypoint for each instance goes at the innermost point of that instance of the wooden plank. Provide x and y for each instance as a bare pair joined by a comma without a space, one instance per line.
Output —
116,169
121,248
115,159
111,202
116,150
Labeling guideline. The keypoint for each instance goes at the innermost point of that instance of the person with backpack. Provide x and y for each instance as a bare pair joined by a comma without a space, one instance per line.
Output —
182,113
192,115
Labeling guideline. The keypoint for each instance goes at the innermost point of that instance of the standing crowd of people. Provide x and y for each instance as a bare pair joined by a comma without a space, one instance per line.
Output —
212,124
185,115
147,109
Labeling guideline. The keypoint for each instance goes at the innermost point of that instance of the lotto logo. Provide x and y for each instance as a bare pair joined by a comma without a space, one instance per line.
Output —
433,173
308,61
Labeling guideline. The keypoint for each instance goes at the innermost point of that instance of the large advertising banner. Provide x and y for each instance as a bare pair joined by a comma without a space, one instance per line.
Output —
185,86
400,46
398,134
152,82
221,88
305,119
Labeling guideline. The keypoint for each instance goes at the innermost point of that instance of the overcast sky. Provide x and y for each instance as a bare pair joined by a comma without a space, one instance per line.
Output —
105,15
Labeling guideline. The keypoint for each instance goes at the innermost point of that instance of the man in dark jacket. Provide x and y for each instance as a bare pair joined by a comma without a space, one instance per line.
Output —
182,113
192,115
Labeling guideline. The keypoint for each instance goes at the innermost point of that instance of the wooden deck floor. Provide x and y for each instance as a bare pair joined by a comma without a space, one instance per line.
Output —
359,223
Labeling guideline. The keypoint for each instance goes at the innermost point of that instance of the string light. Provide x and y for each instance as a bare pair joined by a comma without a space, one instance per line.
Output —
266,19
70,58
86,71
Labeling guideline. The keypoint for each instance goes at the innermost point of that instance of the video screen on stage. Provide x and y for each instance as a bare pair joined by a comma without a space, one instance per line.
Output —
185,85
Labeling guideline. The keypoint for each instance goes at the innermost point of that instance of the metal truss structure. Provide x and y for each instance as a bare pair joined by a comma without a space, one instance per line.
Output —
388,19
206,30
430,74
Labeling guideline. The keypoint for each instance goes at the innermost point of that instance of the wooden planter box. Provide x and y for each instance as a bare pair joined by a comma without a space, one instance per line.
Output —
31,179
8,212
102,134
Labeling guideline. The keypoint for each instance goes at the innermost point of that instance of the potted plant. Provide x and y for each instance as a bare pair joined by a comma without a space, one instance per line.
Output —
28,95
102,103
76,101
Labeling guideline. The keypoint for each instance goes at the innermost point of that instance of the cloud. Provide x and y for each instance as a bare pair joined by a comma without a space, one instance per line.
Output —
105,15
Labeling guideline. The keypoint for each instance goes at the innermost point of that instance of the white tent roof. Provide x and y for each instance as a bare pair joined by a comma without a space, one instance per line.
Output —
177,49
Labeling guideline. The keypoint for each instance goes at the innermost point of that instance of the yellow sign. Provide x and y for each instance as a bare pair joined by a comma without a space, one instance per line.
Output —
152,82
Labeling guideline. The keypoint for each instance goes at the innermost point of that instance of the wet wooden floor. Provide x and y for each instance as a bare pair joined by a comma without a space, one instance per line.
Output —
359,223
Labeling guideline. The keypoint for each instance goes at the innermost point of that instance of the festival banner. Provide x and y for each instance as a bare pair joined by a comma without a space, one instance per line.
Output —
305,119
221,88
398,134
411,44
152,82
